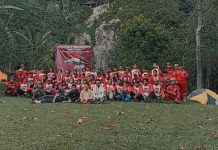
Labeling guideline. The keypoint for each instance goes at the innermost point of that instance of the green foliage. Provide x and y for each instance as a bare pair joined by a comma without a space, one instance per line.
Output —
30,28
142,42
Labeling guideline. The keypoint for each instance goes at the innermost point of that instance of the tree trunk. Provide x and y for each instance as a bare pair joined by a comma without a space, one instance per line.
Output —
198,44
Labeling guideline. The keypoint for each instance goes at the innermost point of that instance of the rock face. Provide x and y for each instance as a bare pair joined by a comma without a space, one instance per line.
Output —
97,11
106,41
82,39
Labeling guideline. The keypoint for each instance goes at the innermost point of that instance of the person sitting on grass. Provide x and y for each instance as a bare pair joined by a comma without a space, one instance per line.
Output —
86,94
126,97
61,96
98,93
137,92
110,90
48,87
158,92
38,91
173,92
11,87
73,96
147,90
23,89
119,88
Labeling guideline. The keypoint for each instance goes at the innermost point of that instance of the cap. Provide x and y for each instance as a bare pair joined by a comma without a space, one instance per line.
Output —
176,65
168,63
20,70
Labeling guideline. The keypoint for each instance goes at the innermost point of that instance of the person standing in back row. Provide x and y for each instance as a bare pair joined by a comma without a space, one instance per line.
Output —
181,76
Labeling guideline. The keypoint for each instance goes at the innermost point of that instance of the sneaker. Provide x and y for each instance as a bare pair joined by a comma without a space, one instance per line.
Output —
37,102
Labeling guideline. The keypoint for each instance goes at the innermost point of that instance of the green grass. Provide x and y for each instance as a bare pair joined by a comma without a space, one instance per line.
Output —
140,126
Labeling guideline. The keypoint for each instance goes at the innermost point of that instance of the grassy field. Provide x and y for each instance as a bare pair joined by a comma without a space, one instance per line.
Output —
114,125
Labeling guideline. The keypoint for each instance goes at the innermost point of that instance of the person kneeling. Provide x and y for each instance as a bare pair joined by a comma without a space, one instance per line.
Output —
173,92
98,94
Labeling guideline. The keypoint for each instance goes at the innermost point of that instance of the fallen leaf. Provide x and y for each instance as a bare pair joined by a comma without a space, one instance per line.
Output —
75,110
52,111
35,118
66,113
214,134
80,121
109,117
108,127
24,118
201,147
58,135
182,148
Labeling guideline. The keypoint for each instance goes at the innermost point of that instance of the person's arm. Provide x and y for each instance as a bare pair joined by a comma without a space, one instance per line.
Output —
94,93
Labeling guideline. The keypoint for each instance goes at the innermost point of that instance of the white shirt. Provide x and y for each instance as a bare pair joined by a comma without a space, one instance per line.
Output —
98,92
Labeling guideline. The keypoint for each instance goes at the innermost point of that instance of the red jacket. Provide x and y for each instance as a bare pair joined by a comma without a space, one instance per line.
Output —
135,71
174,90
147,89
158,90
119,88
158,77
48,87
181,75
137,90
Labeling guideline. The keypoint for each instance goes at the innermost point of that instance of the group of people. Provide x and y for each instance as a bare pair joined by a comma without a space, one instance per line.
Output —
96,86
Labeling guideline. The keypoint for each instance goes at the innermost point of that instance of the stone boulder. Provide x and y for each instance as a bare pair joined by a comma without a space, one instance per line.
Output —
97,11
106,41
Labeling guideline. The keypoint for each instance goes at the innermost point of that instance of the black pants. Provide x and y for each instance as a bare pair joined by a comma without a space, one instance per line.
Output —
20,92
139,97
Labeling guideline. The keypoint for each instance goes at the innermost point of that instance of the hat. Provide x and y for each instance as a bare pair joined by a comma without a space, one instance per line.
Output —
168,63
20,69
176,65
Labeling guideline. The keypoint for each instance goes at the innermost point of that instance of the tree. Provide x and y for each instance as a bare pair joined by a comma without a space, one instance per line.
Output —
142,42
198,44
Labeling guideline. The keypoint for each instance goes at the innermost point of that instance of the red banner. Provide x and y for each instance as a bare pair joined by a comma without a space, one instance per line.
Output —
73,57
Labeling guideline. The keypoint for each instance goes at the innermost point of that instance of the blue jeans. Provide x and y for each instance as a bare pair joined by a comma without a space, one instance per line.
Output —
126,97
